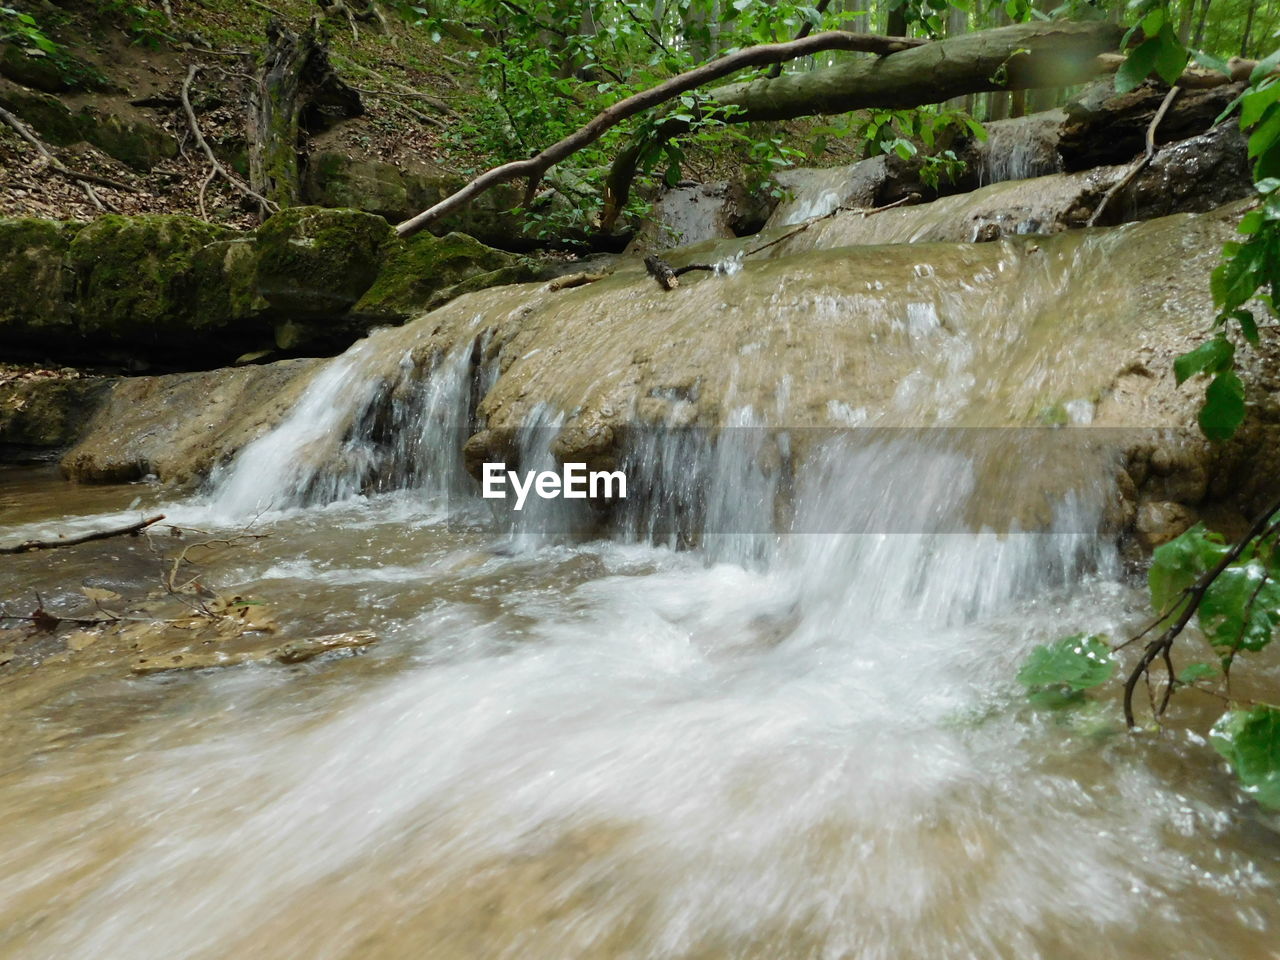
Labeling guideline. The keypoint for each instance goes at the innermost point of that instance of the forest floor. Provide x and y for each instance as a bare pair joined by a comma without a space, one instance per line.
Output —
144,58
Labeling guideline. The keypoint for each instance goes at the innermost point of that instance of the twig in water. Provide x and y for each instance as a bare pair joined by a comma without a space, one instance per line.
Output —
1143,160
132,529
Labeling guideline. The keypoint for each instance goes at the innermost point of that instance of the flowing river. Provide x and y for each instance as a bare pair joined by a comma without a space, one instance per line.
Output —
710,727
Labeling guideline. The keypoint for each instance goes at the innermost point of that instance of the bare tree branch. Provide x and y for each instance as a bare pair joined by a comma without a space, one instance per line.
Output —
535,167
131,530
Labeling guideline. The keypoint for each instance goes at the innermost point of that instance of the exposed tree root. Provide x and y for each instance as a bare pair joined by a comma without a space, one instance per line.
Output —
216,166
81,177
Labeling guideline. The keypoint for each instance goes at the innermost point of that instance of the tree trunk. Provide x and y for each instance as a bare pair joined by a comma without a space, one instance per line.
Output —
1248,28
1016,57
296,88
1009,58
1204,18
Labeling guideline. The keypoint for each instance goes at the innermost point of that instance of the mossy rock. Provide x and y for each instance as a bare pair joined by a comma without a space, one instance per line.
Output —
487,217
45,114
335,180
418,270
36,291
315,262
138,143
52,74
226,282
137,279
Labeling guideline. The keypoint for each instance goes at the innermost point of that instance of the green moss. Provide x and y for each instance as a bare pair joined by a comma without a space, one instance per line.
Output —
46,114
137,143
317,262
334,180
418,270
136,278
35,289
226,283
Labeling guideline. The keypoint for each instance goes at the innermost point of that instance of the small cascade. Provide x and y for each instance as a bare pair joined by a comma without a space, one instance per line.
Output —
1021,148
363,425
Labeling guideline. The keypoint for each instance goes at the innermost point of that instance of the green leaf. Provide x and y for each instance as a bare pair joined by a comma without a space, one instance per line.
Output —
1171,56
1211,356
1180,562
1264,67
1248,326
1070,665
1197,671
1137,65
1241,608
1223,409
1254,103
1249,740
1266,133
1153,21
1209,61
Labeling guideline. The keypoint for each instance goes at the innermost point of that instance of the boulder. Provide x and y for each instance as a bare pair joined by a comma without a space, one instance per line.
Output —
692,213
136,281
316,263
333,179
52,74
179,426
422,271
35,287
183,292
138,143
45,114
42,414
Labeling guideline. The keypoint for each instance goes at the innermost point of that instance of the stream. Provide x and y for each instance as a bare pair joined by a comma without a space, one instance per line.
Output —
709,728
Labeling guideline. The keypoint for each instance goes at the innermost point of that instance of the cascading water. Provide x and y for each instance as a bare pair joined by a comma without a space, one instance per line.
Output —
770,715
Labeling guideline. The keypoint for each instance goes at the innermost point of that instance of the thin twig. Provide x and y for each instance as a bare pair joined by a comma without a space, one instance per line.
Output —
1161,645
903,201
133,528
1142,161
242,188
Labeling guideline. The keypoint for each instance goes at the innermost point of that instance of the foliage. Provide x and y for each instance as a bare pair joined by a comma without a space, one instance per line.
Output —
1059,673
23,29
1250,269
1249,740
1237,610
549,66
147,25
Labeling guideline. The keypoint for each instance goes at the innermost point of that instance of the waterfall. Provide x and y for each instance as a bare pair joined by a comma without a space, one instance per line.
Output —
763,708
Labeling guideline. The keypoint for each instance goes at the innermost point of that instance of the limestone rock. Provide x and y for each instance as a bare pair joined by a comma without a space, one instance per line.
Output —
335,180
316,262
178,427
46,414
35,286
136,280
1160,521
419,272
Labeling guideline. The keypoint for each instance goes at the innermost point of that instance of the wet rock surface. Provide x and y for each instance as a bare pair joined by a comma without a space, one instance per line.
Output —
178,427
